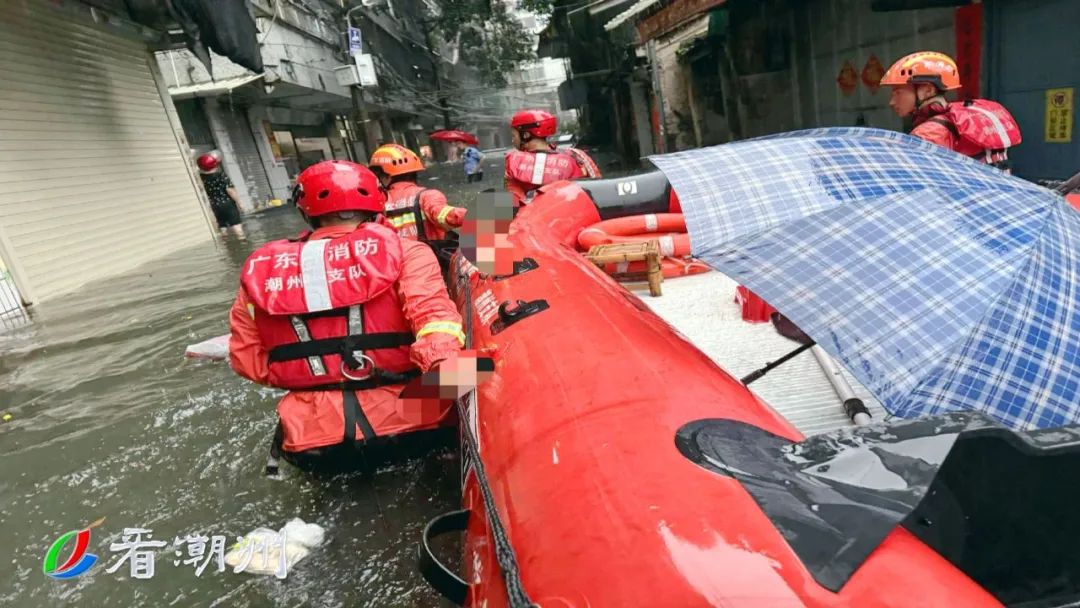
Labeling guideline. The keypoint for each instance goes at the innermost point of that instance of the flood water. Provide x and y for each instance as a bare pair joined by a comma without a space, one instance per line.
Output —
109,420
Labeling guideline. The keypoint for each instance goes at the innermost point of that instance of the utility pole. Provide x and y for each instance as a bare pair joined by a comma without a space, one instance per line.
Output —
428,38
360,116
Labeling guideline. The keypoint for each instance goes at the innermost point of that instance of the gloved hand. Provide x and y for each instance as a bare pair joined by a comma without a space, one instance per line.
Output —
451,378
456,217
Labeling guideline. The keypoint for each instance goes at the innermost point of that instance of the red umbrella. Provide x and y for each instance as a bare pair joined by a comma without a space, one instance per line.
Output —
453,135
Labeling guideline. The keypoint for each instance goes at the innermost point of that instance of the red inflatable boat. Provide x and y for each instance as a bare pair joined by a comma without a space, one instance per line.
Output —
596,472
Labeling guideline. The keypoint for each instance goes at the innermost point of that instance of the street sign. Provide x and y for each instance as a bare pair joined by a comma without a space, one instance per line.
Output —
355,39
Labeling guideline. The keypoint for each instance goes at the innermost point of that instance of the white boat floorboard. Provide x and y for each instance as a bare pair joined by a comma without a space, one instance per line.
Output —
703,309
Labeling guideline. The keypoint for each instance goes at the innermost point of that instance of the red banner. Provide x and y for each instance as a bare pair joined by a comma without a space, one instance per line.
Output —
848,78
969,29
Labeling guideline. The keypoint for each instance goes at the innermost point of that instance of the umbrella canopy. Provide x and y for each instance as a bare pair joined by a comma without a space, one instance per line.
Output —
940,283
451,135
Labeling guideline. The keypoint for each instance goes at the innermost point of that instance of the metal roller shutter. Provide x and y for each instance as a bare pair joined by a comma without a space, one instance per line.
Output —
87,154
247,153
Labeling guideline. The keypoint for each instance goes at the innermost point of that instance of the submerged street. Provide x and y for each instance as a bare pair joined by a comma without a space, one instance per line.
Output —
110,421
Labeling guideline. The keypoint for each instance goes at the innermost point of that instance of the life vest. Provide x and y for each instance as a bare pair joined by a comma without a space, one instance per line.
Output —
327,310
588,166
530,170
984,130
407,216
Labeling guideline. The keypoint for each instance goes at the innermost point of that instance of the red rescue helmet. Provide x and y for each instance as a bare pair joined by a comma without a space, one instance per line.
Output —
337,185
208,163
536,123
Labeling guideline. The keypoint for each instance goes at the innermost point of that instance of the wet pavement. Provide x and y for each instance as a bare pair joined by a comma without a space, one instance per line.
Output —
110,421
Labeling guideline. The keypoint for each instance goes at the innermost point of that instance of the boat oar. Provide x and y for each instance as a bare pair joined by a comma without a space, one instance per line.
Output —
754,375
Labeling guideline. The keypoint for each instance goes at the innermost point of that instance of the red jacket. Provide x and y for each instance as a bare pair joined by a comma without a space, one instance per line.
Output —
315,418
430,211
527,171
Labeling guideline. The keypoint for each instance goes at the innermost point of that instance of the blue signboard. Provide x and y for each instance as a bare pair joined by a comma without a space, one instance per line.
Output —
354,41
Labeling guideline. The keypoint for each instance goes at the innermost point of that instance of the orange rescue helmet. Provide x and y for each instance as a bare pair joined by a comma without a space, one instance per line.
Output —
927,67
394,160
337,185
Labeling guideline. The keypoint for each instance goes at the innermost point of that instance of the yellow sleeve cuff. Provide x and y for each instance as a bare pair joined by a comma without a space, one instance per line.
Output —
443,327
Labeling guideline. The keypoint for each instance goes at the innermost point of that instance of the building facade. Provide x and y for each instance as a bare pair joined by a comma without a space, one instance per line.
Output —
95,168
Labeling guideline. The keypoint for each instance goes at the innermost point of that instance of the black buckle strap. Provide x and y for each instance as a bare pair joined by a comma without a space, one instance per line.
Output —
948,124
418,214
354,415
378,378
273,460
340,346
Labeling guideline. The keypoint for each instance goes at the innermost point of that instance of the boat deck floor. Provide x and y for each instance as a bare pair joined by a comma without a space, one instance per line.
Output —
703,309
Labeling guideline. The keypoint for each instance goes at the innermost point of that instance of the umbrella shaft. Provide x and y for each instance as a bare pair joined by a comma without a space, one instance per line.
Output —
853,406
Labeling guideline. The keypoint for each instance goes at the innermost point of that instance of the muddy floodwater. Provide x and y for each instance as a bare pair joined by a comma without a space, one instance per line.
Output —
108,420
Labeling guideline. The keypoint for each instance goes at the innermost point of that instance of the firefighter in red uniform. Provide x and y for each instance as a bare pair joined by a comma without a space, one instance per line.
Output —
416,212
343,317
534,162
978,128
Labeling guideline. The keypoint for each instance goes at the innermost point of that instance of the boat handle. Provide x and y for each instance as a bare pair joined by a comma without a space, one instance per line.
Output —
442,579
521,310
520,267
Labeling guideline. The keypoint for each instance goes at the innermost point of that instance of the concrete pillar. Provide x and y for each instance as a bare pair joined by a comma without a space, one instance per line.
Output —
214,116
639,101
276,173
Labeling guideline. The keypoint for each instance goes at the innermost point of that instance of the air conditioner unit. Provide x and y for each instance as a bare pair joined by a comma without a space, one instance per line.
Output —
361,74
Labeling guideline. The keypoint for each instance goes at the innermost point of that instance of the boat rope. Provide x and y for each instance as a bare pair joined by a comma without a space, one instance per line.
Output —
517,597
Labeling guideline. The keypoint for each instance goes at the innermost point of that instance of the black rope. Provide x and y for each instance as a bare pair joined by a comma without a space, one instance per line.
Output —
504,551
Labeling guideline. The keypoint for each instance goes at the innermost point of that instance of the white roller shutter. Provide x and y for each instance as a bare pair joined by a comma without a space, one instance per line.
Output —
92,178
247,153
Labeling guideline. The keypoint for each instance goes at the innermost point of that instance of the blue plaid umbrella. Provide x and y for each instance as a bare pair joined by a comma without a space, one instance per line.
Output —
942,284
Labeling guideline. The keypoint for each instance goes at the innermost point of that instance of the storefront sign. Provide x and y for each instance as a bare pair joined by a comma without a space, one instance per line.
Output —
671,17
848,79
872,73
969,23
1059,115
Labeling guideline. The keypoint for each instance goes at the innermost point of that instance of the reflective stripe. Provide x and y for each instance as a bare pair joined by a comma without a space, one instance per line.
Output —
315,364
538,168
313,271
402,220
1003,134
356,326
443,327
650,222
441,219
667,245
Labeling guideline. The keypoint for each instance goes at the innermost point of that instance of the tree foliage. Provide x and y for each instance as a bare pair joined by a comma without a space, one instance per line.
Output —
490,39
